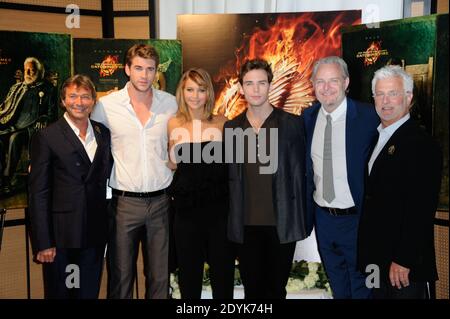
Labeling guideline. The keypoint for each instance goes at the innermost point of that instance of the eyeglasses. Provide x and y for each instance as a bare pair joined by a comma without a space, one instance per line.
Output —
390,94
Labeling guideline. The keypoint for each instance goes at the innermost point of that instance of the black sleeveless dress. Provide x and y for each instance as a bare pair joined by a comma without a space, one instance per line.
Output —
198,184
199,193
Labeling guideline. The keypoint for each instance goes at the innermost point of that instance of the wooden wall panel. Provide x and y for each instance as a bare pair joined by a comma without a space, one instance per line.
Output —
442,6
133,5
131,28
83,4
15,20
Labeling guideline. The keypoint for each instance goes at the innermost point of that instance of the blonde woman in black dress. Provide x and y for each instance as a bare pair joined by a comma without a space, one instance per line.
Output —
200,189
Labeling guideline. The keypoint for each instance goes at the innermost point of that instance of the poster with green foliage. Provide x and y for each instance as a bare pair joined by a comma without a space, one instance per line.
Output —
104,61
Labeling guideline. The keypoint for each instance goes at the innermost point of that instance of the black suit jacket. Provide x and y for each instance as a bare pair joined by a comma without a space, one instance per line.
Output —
288,183
400,205
67,193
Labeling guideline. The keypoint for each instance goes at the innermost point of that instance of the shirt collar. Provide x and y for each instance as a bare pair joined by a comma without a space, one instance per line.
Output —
338,112
393,127
89,132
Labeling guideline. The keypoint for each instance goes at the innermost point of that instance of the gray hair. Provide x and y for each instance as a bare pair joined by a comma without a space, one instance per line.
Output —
390,71
330,60
39,66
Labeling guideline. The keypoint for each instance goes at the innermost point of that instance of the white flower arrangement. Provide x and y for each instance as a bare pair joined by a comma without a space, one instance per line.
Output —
304,275
307,275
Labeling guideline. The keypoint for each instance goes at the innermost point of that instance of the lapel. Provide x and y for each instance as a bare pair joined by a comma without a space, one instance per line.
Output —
240,119
73,139
310,124
99,150
390,147
281,136
351,133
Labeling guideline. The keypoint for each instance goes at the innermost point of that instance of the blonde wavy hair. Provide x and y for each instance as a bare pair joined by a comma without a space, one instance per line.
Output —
202,79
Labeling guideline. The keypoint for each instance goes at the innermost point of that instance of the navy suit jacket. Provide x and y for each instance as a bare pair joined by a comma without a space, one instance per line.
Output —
67,193
361,132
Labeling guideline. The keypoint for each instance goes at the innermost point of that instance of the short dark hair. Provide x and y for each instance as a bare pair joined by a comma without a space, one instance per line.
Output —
255,64
144,51
80,81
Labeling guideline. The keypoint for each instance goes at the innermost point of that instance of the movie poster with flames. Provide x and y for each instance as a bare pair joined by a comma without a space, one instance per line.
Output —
291,42
104,61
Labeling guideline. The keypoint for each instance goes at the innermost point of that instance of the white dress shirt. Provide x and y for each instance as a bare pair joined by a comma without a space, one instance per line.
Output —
90,143
139,151
343,195
383,138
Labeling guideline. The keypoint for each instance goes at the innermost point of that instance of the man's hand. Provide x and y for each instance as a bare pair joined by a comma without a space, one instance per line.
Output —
46,255
399,275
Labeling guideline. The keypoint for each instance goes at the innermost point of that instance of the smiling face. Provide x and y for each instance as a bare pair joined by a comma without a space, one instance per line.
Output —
391,101
78,102
142,72
195,95
330,85
255,87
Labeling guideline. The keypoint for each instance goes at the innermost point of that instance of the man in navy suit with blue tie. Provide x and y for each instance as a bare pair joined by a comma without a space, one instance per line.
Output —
339,134
70,164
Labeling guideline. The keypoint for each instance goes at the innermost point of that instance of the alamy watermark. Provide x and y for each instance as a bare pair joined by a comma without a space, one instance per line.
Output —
73,19
373,279
371,15
235,150
73,277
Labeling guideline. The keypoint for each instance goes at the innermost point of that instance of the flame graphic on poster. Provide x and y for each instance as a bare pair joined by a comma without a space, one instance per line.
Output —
109,65
372,53
290,45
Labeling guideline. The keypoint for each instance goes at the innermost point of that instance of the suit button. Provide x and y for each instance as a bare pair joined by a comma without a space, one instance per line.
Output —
77,164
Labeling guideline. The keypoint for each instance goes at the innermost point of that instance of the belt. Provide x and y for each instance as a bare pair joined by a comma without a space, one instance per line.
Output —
141,195
340,211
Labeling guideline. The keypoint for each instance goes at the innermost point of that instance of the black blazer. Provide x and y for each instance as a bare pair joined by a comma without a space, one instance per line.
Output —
400,205
288,183
67,193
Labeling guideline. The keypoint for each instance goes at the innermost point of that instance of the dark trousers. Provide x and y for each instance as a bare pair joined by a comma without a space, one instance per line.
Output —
337,241
415,290
61,281
200,239
133,220
264,263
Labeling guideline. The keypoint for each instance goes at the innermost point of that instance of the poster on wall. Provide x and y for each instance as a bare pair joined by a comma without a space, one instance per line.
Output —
32,68
420,46
290,42
104,61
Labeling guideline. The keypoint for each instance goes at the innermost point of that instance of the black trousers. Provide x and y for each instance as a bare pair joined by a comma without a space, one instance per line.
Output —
200,239
264,263
415,290
63,282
